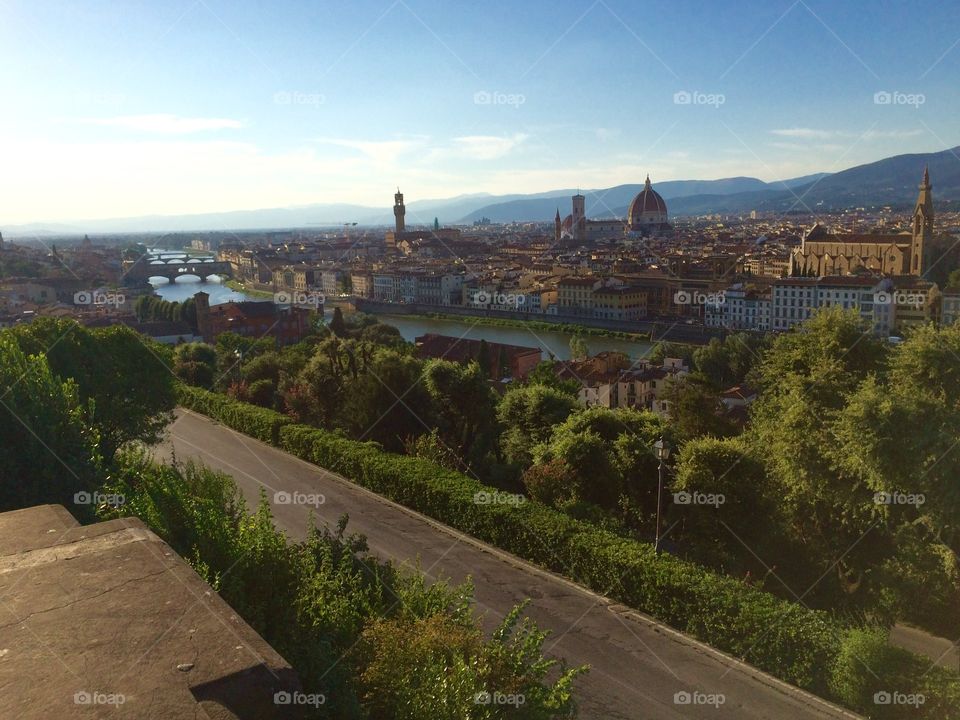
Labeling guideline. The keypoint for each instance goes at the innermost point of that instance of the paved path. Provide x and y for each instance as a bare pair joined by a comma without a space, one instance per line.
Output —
637,665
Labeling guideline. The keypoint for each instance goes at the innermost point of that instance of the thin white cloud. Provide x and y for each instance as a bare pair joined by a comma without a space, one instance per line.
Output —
804,133
384,152
165,124
487,147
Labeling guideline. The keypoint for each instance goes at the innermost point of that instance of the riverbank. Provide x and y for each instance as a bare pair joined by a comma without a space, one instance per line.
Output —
240,287
685,332
571,328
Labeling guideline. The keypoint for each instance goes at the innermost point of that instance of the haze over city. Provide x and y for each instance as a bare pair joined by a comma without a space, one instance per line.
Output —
124,109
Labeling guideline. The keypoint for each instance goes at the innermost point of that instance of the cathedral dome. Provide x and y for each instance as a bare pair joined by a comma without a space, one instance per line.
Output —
647,208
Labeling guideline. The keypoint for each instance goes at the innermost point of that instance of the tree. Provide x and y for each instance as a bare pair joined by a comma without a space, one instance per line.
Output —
527,416
195,363
746,515
578,348
464,407
483,358
387,402
337,324
124,380
695,409
48,451
545,374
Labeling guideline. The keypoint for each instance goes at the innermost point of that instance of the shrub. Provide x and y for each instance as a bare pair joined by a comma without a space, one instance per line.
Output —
802,646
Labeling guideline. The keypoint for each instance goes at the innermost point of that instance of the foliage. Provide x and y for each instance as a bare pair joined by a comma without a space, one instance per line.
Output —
545,374
341,617
527,416
48,451
695,409
123,379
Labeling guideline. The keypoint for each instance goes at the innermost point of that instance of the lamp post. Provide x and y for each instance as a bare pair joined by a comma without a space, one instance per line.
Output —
238,353
662,448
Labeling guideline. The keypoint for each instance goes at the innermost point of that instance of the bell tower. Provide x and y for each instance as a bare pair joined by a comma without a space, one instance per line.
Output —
399,210
922,229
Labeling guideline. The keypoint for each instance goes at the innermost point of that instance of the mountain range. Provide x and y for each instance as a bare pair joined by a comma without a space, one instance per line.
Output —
891,181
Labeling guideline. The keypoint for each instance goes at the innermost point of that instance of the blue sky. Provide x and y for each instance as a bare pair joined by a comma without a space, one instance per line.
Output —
128,108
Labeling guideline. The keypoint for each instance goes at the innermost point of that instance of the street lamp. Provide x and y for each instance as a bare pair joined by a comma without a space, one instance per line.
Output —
662,448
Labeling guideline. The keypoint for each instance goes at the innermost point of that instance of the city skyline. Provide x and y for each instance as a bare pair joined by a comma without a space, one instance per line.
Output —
204,107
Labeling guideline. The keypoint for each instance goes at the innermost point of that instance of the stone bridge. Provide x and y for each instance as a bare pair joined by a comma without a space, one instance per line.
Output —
173,268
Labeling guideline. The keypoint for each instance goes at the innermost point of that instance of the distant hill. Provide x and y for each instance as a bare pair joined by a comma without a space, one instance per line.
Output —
891,181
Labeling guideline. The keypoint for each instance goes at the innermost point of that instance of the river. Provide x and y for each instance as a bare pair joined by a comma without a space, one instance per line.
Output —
549,342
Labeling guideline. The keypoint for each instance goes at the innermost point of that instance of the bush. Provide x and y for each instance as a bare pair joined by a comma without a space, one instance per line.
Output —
786,639
261,423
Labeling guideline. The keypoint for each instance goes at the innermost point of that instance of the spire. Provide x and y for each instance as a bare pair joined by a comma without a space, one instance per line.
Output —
926,178
558,214
646,185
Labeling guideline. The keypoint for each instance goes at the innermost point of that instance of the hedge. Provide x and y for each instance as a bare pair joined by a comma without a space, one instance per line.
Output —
801,646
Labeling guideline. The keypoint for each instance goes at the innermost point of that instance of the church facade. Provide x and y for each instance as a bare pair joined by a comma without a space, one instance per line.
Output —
646,216
823,253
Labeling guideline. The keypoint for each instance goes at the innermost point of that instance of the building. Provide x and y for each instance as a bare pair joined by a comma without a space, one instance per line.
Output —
619,303
519,361
824,253
575,295
286,324
646,216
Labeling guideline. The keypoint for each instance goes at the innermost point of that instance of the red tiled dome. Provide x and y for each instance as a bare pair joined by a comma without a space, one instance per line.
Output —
647,200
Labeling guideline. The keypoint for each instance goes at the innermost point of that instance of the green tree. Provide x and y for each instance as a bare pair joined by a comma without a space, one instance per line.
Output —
464,407
124,379
483,358
337,323
545,374
695,409
578,348
527,416
48,451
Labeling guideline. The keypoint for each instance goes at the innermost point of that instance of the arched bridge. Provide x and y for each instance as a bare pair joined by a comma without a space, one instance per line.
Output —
173,268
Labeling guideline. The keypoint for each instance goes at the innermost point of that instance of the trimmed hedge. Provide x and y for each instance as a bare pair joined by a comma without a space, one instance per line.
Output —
798,645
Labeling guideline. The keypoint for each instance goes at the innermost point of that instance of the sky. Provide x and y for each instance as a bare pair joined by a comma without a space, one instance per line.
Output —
118,109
